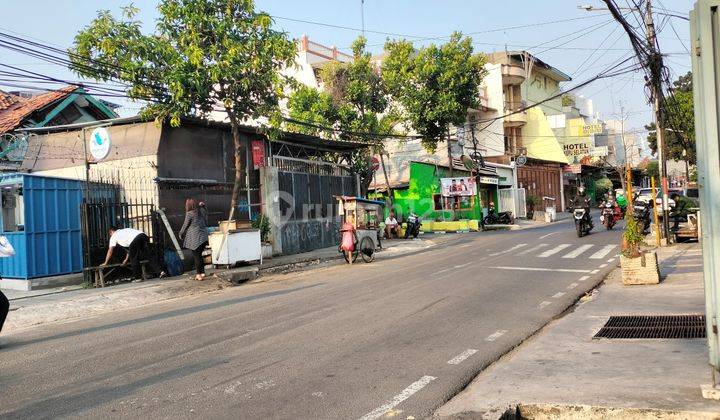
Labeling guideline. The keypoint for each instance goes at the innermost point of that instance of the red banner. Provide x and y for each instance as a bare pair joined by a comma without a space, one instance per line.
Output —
258,153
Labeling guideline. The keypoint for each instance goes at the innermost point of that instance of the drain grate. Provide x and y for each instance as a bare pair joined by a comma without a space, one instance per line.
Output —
654,326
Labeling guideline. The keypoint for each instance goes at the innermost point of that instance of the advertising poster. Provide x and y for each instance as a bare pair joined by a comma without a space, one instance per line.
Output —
454,187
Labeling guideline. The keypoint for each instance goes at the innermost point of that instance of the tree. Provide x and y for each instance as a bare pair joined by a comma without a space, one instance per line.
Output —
435,85
652,170
204,54
354,103
680,123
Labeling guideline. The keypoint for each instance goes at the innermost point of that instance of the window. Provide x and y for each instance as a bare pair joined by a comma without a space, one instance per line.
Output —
13,210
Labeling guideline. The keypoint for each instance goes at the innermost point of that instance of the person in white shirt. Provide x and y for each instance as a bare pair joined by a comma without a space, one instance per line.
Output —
391,226
136,244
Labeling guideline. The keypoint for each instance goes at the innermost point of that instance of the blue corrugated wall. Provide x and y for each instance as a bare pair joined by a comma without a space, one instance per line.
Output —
51,243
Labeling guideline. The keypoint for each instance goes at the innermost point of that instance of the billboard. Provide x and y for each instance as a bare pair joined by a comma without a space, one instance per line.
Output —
453,187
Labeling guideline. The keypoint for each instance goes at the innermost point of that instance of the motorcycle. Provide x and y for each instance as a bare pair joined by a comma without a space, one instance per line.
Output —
641,213
503,217
610,214
413,226
583,221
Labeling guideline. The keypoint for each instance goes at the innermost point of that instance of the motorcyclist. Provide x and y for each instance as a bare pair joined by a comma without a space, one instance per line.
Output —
621,202
582,200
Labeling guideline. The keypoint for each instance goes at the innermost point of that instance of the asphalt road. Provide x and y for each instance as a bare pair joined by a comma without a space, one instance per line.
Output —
399,336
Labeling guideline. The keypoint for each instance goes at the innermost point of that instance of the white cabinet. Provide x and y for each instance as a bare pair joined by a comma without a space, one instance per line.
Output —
235,246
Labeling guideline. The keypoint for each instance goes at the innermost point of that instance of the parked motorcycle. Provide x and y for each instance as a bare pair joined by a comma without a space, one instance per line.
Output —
503,217
583,220
610,214
641,213
413,226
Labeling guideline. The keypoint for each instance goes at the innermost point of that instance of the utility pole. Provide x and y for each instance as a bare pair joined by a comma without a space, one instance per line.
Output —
656,66
362,16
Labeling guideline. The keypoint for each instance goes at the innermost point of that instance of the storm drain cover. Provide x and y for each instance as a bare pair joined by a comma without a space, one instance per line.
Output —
654,326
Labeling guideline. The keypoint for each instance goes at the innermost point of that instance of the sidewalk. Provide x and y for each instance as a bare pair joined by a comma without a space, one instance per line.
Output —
562,372
37,307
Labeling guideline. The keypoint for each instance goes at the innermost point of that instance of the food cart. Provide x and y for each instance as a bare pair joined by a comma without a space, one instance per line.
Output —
367,224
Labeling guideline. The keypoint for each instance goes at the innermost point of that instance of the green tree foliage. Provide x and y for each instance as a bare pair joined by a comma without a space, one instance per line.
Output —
435,85
679,116
652,170
354,102
204,54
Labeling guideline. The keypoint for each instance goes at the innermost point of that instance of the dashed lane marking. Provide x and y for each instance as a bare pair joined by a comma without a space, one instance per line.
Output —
611,259
553,251
545,236
518,246
577,251
463,265
603,252
461,357
553,270
572,285
602,266
594,271
583,278
404,395
558,295
544,303
497,334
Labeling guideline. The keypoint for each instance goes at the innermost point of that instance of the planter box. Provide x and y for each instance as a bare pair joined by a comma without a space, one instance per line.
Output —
640,270
267,251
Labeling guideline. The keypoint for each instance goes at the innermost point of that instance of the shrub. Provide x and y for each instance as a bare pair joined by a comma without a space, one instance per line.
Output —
262,223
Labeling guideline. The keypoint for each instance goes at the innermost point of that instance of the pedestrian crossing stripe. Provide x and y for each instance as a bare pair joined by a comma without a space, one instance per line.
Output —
577,251
553,251
602,253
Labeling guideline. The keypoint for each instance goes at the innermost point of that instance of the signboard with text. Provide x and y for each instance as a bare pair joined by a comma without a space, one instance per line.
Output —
258,153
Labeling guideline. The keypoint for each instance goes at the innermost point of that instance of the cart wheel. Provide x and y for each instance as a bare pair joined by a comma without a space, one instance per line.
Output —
367,249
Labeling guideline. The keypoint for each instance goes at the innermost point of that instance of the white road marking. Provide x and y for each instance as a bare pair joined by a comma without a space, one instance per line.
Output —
545,236
508,250
688,265
494,336
556,270
602,253
558,295
461,357
583,278
465,246
577,251
544,303
533,249
611,259
602,266
572,285
553,251
463,265
441,271
594,271
404,395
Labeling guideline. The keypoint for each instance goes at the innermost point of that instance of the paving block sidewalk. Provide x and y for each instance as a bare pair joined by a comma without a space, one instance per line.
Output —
562,372
37,307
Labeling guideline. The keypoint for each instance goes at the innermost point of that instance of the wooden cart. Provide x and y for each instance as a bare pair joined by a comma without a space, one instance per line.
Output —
367,214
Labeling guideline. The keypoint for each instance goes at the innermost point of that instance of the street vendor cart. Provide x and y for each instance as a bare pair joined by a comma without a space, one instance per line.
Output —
367,224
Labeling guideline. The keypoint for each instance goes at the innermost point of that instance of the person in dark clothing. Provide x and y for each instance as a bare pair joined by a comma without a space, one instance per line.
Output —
194,234
137,245
582,200
681,210
4,309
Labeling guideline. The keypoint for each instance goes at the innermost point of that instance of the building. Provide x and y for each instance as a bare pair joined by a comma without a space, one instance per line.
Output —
68,105
526,81
152,166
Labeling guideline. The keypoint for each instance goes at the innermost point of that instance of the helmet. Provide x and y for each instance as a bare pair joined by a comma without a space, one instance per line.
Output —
581,190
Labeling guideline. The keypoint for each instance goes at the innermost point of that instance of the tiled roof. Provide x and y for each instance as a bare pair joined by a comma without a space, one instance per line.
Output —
14,109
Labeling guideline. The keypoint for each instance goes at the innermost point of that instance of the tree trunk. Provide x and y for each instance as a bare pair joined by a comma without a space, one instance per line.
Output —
237,143
387,180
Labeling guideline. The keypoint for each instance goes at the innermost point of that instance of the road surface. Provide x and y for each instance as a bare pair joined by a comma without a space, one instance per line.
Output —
399,336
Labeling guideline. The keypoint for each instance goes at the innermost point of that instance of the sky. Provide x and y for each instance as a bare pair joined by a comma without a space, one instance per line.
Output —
582,47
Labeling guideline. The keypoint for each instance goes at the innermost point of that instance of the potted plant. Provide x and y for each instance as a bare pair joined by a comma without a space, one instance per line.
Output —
638,266
263,224
531,201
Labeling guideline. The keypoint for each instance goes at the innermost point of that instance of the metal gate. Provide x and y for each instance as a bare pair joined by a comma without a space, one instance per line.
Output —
99,216
520,210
